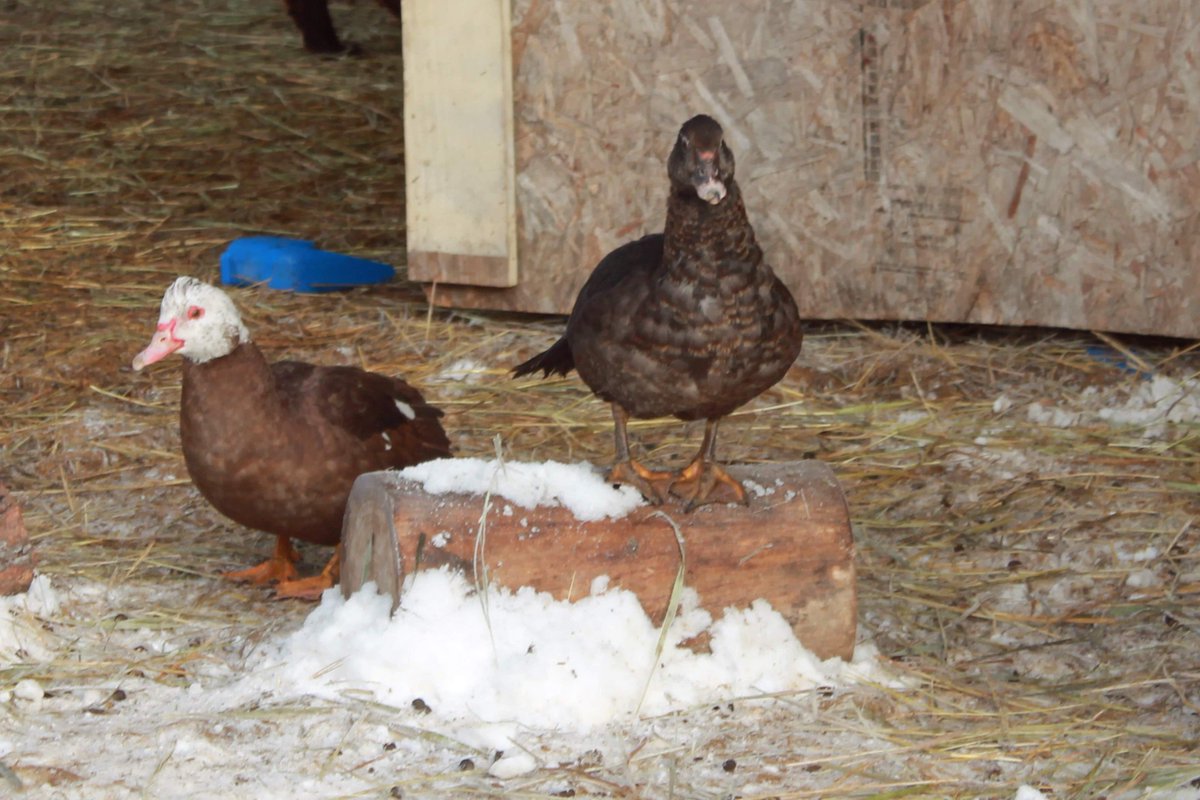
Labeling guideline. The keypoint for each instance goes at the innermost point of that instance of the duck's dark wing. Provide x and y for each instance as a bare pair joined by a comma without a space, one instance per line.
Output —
368,405
641,255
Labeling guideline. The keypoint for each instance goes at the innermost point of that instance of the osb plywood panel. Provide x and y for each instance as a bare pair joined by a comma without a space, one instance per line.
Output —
994,161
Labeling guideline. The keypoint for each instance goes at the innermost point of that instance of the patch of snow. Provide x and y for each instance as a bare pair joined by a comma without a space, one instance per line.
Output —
513,766
465,369
28,689
758,489
579,487
538,662
1026,792
1003,463
1148,553
242,720
1142,579
40,597
1052,416
1147,404
20,628
1011,597
1160,399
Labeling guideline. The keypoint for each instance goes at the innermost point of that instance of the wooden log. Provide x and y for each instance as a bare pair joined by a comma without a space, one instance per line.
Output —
793,547
16,553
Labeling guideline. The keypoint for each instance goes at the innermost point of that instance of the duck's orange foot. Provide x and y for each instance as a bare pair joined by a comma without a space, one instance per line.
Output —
311,588
303,588
653,485
280,567
702,482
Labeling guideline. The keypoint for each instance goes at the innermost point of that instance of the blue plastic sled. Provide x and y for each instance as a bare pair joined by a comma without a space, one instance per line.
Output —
296,265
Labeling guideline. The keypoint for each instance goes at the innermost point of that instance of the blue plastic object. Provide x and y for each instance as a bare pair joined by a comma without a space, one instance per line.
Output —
1107,355
296,265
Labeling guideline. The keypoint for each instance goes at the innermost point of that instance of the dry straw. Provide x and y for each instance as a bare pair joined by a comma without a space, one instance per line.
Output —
1036,586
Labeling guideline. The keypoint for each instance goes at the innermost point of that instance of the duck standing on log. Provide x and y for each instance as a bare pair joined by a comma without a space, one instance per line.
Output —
276,447
690,323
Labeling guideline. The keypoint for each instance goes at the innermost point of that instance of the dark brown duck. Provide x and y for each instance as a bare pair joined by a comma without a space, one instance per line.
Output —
276,447
691,323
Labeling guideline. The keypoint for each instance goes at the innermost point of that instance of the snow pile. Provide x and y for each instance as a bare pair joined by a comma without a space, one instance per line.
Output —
578,487
522,658
526,659
22,637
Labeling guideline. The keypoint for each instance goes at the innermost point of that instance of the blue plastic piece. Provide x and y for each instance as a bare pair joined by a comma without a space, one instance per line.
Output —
1107,355
296,265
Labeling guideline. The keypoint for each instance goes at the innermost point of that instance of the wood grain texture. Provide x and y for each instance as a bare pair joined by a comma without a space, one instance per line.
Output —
1015,162
458,131
792,547
16,553
442,268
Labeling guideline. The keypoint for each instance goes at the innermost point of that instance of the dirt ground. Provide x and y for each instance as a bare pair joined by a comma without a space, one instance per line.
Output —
1024,502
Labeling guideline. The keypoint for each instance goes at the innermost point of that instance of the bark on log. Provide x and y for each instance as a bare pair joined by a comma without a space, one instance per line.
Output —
16,553
793,547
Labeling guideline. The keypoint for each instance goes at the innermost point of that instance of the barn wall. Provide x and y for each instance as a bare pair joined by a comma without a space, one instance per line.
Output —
992,161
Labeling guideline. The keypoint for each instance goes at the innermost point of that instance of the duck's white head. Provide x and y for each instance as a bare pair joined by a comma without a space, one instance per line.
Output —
198,321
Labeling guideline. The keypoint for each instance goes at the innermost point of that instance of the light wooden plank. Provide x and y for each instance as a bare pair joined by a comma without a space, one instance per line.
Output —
458,125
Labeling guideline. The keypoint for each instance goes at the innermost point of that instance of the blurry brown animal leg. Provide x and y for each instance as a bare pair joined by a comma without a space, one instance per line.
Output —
626,471
698,483
311,588
280,567
316,26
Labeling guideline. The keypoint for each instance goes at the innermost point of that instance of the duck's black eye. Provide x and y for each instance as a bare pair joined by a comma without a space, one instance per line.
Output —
195,312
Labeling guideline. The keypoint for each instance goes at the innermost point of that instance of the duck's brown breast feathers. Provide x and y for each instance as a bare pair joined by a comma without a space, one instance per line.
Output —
697,334
278,447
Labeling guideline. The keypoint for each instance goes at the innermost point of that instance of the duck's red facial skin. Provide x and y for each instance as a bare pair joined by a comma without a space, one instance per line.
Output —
162,345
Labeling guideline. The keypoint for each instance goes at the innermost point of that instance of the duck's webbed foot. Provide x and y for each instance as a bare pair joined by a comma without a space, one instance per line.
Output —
653,485
702,482
280,567
312,587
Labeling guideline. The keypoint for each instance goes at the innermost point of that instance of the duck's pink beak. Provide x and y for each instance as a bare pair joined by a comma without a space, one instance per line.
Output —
162,345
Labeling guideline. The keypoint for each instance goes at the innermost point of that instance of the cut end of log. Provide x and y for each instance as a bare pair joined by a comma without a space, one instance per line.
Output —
16,552
791,547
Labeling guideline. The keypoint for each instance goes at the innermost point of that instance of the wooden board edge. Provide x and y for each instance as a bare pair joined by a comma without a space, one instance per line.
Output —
438,268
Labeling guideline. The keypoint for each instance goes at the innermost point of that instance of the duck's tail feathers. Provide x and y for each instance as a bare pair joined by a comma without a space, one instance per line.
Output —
558,360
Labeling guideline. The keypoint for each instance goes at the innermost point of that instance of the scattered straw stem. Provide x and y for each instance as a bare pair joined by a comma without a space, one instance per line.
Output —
478,561
672,606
